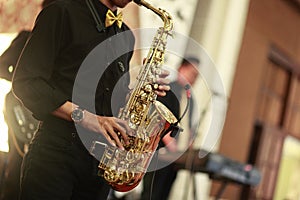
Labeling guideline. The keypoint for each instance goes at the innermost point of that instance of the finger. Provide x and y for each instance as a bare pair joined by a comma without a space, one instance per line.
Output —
164,73
124,130
160,93
107,137
163,81
123,133
164,87
124,124
115,137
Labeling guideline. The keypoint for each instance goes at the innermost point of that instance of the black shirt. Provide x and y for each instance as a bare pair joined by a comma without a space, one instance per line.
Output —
64,34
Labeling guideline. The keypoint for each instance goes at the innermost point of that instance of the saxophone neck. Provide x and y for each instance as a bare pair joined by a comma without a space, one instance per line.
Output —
168,22
165,16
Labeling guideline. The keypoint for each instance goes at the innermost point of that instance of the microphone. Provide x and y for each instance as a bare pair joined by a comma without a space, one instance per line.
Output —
187,88
188,96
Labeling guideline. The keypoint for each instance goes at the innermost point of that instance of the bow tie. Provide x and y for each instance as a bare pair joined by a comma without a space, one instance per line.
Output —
111,18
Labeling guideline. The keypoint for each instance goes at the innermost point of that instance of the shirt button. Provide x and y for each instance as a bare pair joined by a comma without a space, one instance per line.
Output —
73,135
121,66
107,89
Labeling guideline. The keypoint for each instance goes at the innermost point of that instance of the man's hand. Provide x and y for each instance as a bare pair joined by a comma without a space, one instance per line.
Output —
163,83
109,127
170,143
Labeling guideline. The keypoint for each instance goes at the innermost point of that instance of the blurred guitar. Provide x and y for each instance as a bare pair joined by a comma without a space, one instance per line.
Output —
19,119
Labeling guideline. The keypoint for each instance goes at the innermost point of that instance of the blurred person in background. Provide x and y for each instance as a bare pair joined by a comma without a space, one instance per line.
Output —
157,184
17,139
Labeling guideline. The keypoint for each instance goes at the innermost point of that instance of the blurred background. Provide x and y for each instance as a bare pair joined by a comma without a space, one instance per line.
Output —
254,46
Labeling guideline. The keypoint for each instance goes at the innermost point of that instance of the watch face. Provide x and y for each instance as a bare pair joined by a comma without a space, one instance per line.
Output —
77,115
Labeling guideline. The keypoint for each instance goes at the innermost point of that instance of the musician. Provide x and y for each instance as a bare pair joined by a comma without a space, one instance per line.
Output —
8,61
160,187
57,165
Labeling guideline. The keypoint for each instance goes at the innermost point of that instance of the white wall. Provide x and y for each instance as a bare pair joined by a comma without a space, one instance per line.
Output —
218,27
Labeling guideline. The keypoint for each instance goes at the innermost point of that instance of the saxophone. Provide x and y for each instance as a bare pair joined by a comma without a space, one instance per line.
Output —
149,119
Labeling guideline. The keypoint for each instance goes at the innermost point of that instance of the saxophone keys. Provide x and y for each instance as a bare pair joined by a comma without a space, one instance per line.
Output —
148,88
140,107
158,71
134,119
111,175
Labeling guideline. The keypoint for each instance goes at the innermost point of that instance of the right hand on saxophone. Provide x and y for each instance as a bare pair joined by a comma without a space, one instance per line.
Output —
109,127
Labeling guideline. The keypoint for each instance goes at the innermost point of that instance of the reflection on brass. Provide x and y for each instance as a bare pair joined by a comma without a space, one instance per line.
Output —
149,119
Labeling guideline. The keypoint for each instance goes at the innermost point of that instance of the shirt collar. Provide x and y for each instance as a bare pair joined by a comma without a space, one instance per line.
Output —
102,9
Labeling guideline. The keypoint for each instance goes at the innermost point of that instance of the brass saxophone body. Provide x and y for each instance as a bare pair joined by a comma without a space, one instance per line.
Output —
149,119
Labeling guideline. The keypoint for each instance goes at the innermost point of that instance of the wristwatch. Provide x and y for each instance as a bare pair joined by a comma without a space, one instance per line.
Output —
77,115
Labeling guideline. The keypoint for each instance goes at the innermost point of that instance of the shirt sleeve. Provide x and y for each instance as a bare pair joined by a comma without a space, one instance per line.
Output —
31,80
9,58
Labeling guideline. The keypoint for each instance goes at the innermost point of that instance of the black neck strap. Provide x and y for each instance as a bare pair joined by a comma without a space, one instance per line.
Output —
99,25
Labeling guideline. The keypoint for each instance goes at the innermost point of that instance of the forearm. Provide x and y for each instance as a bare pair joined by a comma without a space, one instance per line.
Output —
65,110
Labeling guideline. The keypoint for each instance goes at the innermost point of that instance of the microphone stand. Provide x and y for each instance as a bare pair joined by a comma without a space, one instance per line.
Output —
190,155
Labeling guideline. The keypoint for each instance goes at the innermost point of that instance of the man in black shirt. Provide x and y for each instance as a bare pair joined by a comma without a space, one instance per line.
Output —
57,165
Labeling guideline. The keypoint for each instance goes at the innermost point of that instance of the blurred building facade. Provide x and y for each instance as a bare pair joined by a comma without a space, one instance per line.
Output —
263,115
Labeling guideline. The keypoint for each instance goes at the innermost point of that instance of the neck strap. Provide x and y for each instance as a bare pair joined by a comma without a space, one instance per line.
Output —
99,25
